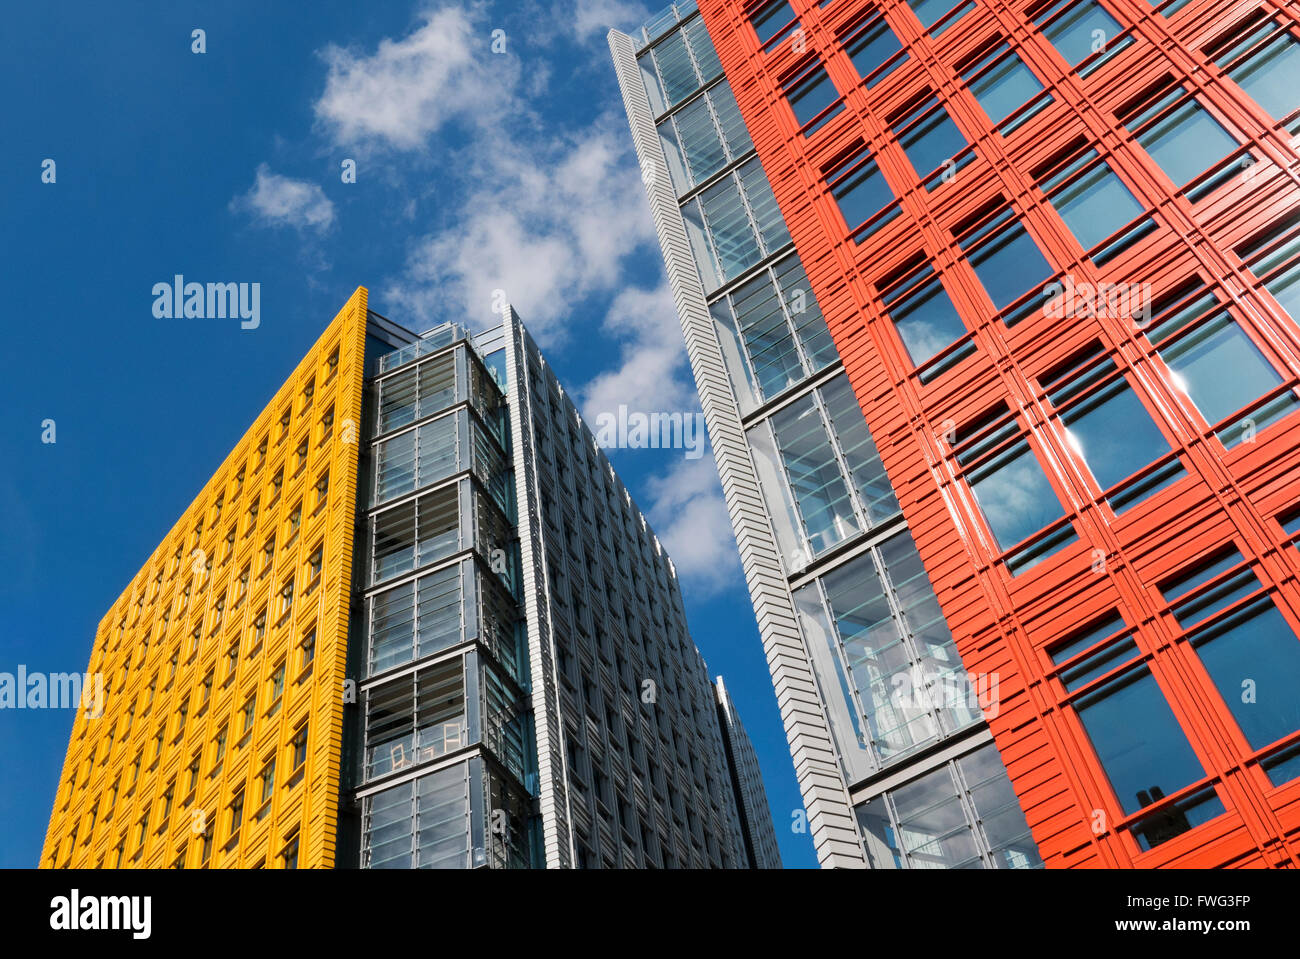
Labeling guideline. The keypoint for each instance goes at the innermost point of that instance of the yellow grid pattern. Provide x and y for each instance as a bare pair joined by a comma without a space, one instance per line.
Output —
125,796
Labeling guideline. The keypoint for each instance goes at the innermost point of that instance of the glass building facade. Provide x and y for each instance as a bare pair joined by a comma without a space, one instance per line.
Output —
414,621
1021,354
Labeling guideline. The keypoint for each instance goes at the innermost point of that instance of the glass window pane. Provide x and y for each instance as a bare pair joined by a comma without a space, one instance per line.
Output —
771,19
1006,87
871,48
705,154
1269,75
767,215
1075,33
675,68
931,140
859,450
930,11
926,320
820,492
1255,664
1007,263
1142,748
1186,142
810,96
1095,205
1015,496
730,228
1112,453
861,195
1219,368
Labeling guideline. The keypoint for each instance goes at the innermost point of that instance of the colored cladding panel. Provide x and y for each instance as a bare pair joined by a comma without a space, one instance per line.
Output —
223,662
1119,226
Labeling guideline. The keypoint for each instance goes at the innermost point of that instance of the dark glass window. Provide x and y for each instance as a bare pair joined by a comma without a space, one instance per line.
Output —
1095,204
1265,62
1108,427
1080,28
930,138
810,95
1215,363
871,47
1181,136
1253,657
862,193
1003,84
926,320
1005,258
772,20
1138,740
930,12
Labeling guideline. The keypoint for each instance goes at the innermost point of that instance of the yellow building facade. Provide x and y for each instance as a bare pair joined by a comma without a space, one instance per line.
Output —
224,659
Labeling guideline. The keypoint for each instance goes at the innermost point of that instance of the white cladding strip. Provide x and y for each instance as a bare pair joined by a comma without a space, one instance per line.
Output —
552,776
830,816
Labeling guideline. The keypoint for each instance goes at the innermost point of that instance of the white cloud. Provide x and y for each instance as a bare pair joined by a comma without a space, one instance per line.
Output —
652,374
598,16
690,518
276,200
549,221
409,88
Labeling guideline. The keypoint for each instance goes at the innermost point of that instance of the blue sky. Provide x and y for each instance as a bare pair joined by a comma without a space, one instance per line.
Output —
476,171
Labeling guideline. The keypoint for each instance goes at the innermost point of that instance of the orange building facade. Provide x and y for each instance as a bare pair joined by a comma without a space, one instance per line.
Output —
1057,246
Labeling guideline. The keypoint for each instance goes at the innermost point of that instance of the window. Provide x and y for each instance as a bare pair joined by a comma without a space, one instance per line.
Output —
810,95
232,660
267,778
879,616
772,21
415,718
930,139
268,554
1107,426
1137,739
1003,84
295,521
289,855
332,363
250,707
1216,364
416,533
1181,136
1275,259
930,12
236,813
194,774
416,619
1011,489
219,747
322,489
422,824
1004,256
277,484
962,815
315,562
1095,204
860,189
1080,28
830,466
874,51
259,629
416,392
733,224
678,65
276,685
286,597
926,319
299,748
772,332
1263,58
703,137
1251,654
308,648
